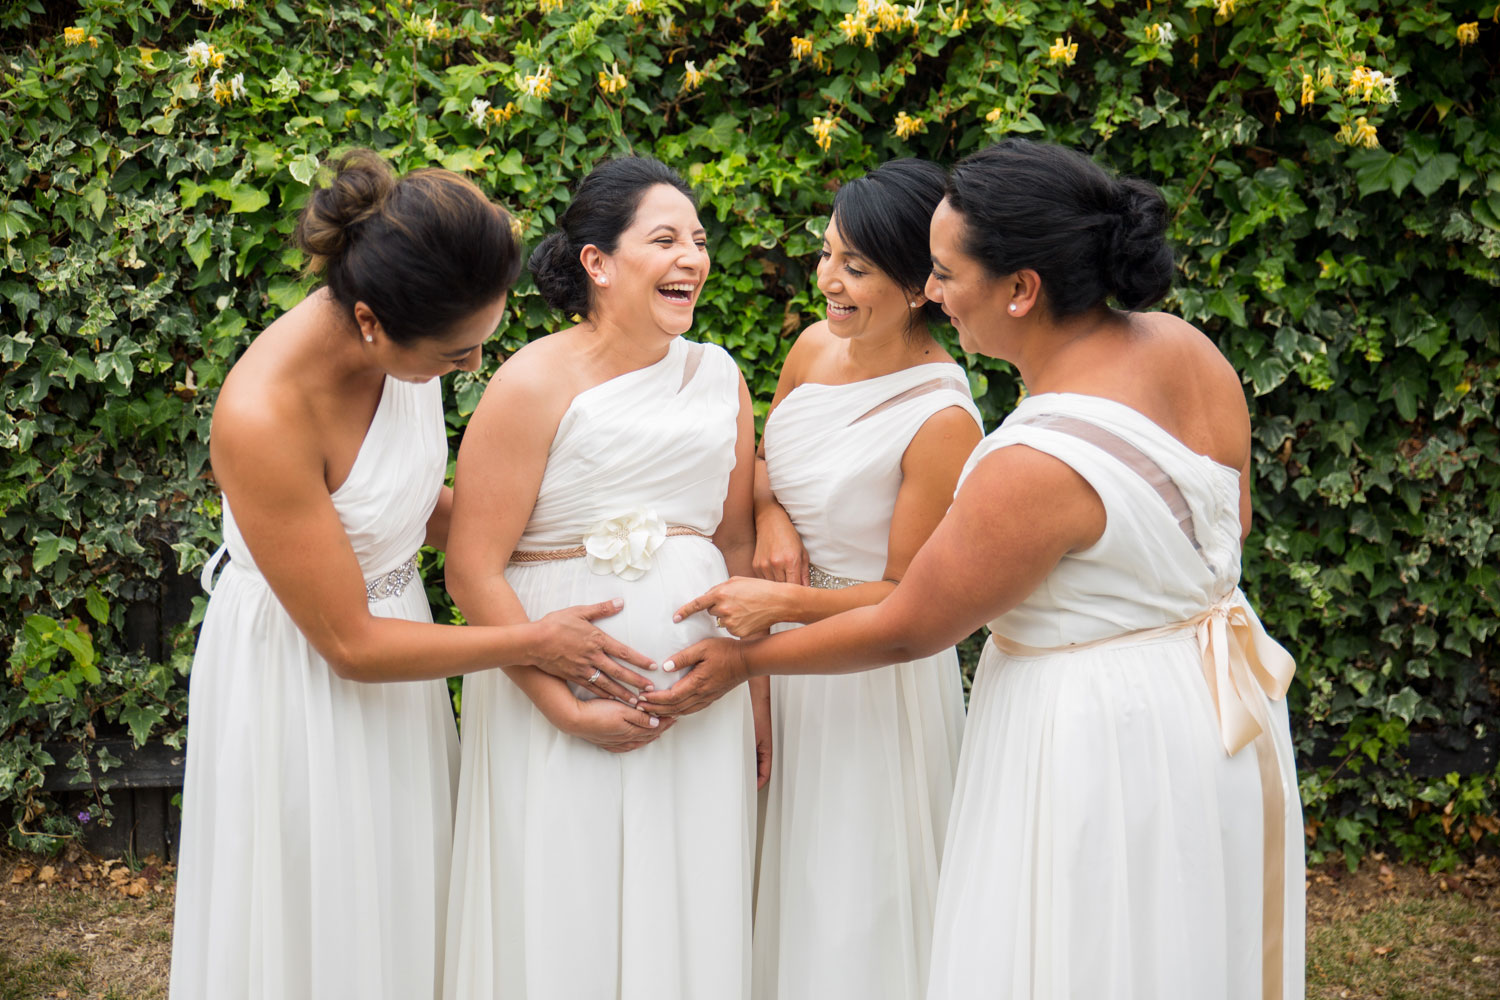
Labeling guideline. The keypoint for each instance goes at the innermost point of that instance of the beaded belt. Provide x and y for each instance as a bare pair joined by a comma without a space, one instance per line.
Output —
392,584
579,551
824,580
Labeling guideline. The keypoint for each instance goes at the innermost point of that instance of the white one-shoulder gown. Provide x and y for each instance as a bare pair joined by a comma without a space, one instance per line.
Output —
863,768
317,812
1125,824
583,873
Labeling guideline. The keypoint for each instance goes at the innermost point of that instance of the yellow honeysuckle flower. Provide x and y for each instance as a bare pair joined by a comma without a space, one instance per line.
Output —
505,114
851,26
994,115
1226,8
1371,86
1362,133
801,47
538,84
820,61
226,91
962,20
612,81
1063,51
1468,34
635,8
1325,77
1308,93
1161,34
74,36
548,6
692,76
908,126
93,41
823,129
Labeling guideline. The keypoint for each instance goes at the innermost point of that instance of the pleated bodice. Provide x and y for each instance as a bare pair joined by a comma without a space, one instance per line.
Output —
833,453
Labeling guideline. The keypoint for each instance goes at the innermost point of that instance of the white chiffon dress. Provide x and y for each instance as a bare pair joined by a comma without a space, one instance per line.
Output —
316,811
583,873
863,769
1126,823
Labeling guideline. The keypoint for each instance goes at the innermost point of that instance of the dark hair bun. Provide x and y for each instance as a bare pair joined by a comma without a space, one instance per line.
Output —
602,208
559,275
1050,209
423,252
1137,259
361,183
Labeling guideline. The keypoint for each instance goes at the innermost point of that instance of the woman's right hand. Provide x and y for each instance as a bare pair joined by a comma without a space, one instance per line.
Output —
617,728
571,647
779,554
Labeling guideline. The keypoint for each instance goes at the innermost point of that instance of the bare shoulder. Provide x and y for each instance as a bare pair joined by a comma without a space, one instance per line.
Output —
811,346
1187,349
538,375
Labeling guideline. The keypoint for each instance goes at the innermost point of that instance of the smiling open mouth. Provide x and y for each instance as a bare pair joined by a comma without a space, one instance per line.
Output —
837,311
680,293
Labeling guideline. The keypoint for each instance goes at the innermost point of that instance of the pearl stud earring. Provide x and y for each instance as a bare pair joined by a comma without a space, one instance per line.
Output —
1012,307
912,303
602,279
369,339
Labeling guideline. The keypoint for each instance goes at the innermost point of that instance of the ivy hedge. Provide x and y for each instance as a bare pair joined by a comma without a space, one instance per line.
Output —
1334,172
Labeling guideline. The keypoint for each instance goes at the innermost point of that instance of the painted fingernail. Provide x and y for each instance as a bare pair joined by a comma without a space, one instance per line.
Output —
654,722
635,701
617,604
652,666
669,665
676,619
647,689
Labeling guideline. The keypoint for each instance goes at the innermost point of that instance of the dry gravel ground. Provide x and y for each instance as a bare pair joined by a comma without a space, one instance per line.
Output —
82,928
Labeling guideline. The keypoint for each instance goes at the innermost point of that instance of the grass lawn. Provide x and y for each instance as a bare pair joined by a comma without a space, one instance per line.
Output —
79,928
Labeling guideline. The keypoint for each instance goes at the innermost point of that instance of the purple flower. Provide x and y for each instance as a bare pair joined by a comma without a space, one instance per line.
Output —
84,816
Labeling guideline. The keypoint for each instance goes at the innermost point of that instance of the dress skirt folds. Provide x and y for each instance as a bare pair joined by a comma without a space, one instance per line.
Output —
317,811
1126,822
863,769
578,872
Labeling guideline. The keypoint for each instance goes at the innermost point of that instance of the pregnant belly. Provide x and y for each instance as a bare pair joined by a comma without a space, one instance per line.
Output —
684,567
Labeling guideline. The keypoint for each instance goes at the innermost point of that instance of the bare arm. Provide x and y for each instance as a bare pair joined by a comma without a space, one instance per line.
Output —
270,467
930,468
500,468
1017,515
437,522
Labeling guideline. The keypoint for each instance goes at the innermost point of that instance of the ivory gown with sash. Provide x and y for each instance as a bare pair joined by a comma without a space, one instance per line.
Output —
317,812
862,773
583,873
1124,807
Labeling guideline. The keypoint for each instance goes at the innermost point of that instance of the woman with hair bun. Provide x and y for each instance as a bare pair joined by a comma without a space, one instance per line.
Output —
863,445
322,752
1125,822
596,853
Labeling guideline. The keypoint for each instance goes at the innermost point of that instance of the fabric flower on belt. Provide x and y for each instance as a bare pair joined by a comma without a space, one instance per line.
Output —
625,545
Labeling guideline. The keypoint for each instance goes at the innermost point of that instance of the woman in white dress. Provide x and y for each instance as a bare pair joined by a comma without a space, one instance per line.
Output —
1126,822
322,754
864,443
596,854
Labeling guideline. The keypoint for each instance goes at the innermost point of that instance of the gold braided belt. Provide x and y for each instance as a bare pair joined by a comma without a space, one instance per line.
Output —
1238,656
624,544
579,551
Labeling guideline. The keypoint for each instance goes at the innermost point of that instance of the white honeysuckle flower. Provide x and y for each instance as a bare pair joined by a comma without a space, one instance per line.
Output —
478,109
237,86
1166,34
199,53
626,544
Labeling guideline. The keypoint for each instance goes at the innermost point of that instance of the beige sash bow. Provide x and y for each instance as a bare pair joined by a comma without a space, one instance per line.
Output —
1238,656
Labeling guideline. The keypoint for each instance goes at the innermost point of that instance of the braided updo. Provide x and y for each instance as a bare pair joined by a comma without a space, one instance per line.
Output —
1089,236
422,251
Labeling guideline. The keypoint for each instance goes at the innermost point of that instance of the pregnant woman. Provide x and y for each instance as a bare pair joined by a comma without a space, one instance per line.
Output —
597,853
867,435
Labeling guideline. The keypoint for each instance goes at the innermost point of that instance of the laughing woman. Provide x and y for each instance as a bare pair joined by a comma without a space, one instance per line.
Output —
867,435
611,459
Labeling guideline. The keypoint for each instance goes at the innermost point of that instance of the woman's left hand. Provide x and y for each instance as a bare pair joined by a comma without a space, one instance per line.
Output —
717,666
762,709
741,605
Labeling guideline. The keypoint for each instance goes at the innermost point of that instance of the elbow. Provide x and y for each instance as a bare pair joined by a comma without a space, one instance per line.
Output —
347,658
